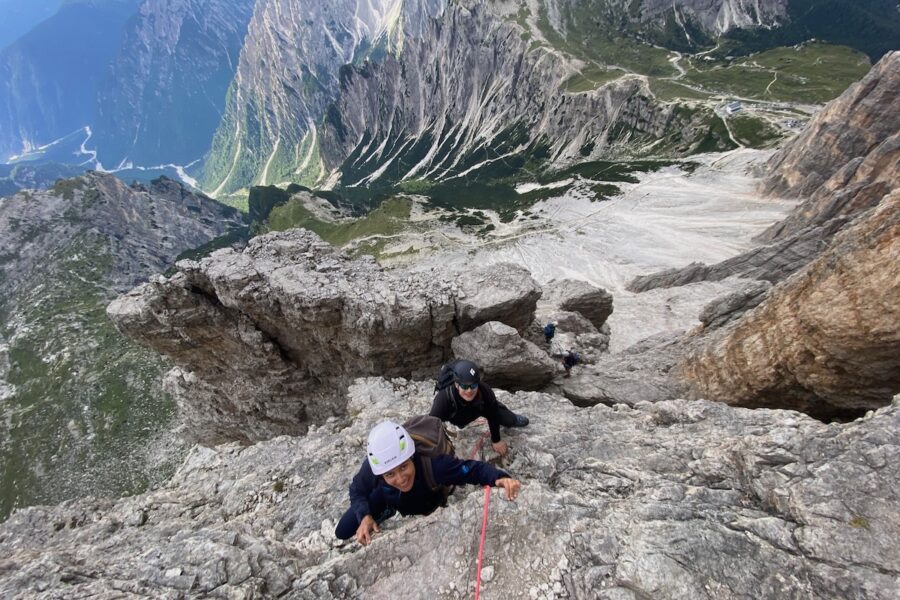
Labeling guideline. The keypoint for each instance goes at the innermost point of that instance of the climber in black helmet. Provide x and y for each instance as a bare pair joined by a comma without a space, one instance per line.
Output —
469,398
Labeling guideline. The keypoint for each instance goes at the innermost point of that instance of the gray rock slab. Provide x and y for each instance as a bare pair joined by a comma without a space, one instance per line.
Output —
674,499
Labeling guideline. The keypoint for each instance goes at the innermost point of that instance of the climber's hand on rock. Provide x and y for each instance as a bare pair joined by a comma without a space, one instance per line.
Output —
366,529
501,448
510,485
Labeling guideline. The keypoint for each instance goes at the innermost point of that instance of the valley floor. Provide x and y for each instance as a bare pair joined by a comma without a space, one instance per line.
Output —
669,219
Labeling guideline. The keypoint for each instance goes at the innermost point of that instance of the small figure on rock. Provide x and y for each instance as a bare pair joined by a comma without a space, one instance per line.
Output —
462,397
570,359
550,331
395,477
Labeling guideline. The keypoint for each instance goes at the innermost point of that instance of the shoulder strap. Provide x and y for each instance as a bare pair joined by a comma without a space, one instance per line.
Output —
451,401
428,475
428,472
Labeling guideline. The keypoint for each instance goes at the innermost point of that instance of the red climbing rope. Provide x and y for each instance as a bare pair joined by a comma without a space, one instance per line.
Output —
479,444
487,502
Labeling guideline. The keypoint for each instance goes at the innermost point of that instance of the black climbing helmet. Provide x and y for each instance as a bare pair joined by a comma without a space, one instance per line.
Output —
466,372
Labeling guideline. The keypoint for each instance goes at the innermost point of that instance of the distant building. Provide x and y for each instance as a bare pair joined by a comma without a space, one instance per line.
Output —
733,107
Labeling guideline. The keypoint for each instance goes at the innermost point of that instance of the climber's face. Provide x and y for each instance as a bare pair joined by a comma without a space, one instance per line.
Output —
401,477
467,392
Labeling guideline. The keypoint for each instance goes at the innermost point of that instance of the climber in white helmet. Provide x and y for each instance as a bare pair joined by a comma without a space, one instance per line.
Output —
393,478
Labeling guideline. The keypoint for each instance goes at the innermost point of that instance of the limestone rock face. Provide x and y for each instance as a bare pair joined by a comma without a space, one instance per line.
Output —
641,373
722,310
826,339
267,339
420,102
509,361
669,500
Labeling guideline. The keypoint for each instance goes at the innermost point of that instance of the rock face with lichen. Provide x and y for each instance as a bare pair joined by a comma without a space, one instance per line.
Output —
675,499
266,340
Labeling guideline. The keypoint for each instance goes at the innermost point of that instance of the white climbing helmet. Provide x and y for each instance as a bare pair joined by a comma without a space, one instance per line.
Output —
389,446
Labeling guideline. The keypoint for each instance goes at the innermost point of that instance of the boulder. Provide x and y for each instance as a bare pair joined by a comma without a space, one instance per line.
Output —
571,295
502,292
508,361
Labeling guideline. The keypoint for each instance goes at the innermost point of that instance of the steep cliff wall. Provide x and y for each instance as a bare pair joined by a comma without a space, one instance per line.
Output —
435,87
165,94
287,77
470,95
49,78
846,159
823,341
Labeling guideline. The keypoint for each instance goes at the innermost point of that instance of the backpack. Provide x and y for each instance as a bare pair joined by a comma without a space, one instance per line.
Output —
445,377
431,439
444,382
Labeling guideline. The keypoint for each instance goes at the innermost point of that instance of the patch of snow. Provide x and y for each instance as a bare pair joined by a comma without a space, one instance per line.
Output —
524,188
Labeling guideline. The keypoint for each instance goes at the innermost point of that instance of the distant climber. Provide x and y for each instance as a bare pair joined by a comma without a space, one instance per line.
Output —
570,359
467,398
394,477
550,331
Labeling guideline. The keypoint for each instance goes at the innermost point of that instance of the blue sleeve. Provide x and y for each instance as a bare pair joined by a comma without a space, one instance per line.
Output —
361,487
449,470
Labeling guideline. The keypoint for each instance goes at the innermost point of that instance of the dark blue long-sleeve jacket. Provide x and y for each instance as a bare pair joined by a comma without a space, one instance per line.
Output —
420,499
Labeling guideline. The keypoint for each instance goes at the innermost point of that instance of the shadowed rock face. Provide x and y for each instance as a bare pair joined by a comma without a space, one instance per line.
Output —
265,340
826,339
670,500
166,92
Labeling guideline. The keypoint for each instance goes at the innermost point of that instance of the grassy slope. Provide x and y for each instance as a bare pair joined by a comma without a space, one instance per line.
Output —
812,73
86,399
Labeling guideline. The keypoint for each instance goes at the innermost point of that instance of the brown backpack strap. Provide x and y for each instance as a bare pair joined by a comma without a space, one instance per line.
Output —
423,443
428,472
428,475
